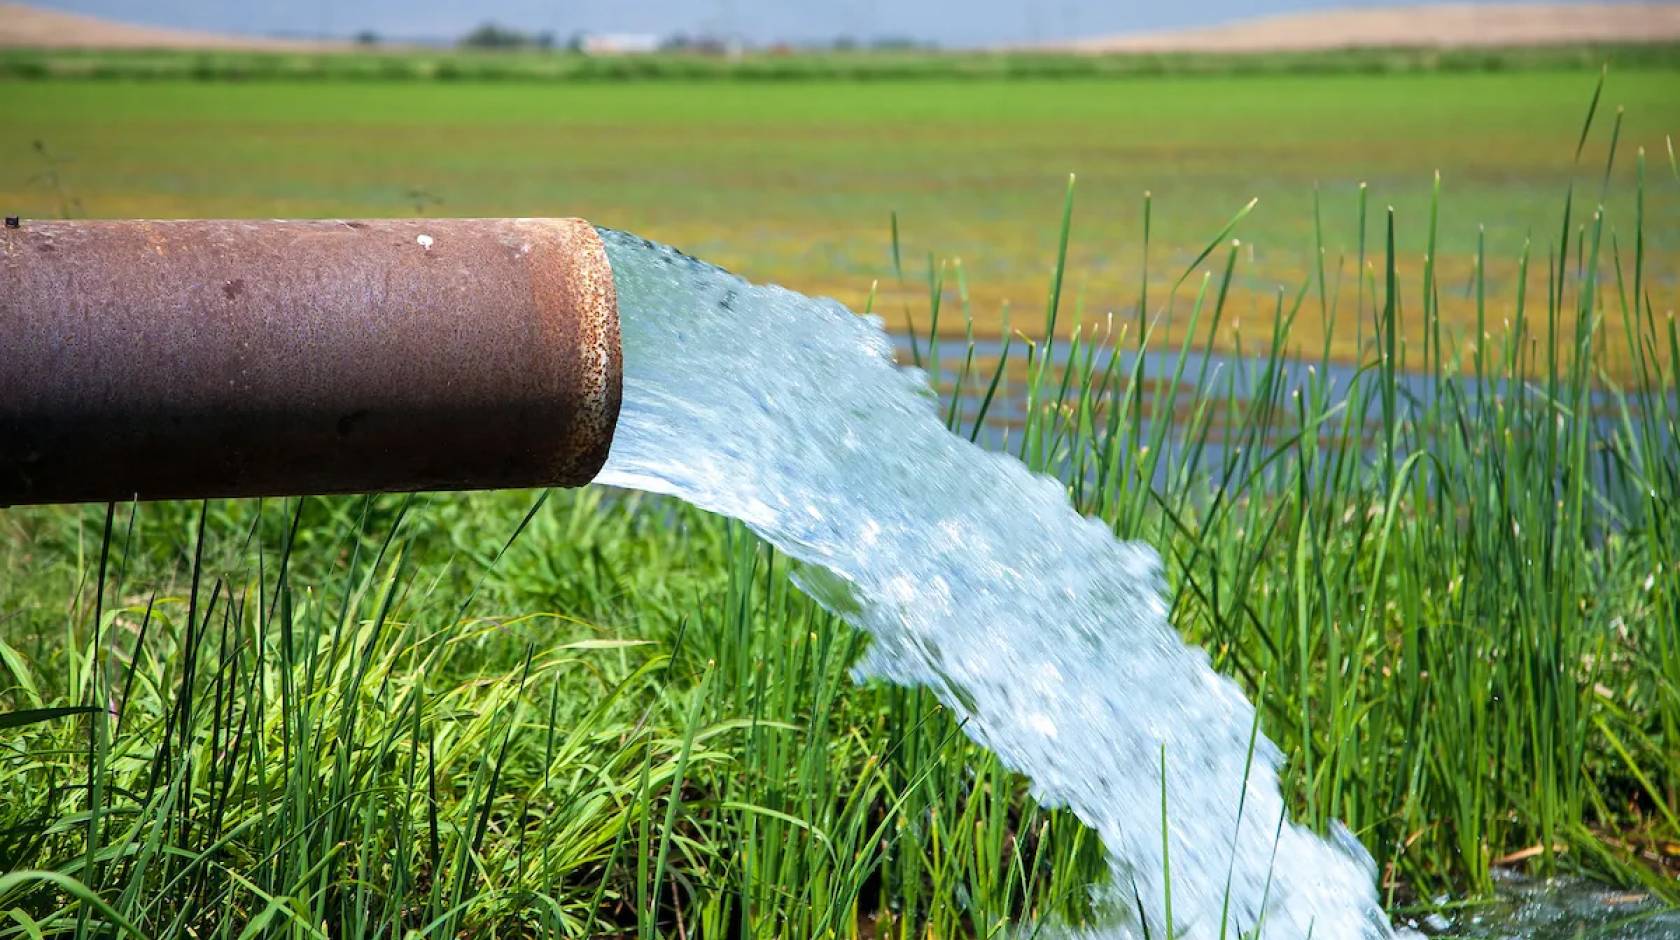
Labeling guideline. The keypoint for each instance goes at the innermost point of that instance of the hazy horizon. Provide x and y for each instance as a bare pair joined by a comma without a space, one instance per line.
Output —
947,22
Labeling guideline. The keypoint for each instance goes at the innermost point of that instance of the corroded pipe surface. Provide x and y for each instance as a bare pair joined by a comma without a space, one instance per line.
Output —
160,360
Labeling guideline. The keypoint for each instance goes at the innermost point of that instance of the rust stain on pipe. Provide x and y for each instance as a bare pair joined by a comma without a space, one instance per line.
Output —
187,359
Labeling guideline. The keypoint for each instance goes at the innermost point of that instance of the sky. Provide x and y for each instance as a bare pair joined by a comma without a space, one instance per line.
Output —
947,22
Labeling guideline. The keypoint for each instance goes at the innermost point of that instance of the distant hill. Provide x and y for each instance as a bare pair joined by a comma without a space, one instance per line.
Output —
28,26
1444,26
1426,26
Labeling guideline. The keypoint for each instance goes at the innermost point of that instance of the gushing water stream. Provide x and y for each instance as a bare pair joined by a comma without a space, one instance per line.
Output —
1044,633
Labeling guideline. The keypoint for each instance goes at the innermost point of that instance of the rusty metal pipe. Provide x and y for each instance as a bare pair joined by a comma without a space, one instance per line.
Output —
161,360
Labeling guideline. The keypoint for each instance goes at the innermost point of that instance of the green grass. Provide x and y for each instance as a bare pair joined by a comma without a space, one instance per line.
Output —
582,713
794,182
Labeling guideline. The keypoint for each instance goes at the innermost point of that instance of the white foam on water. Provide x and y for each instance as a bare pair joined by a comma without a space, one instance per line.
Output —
1044,633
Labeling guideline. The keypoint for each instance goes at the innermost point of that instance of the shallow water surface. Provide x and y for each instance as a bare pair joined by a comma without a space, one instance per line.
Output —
1554,909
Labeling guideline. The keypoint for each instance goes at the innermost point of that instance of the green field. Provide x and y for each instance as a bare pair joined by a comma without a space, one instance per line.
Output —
796,182
591,713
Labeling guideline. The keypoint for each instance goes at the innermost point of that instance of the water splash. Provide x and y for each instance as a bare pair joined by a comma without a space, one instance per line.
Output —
1556,909
976,578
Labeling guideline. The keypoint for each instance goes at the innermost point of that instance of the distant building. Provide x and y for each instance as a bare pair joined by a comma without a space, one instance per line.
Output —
617,43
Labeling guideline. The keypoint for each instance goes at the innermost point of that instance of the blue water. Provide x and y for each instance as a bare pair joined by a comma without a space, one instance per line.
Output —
1045,634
